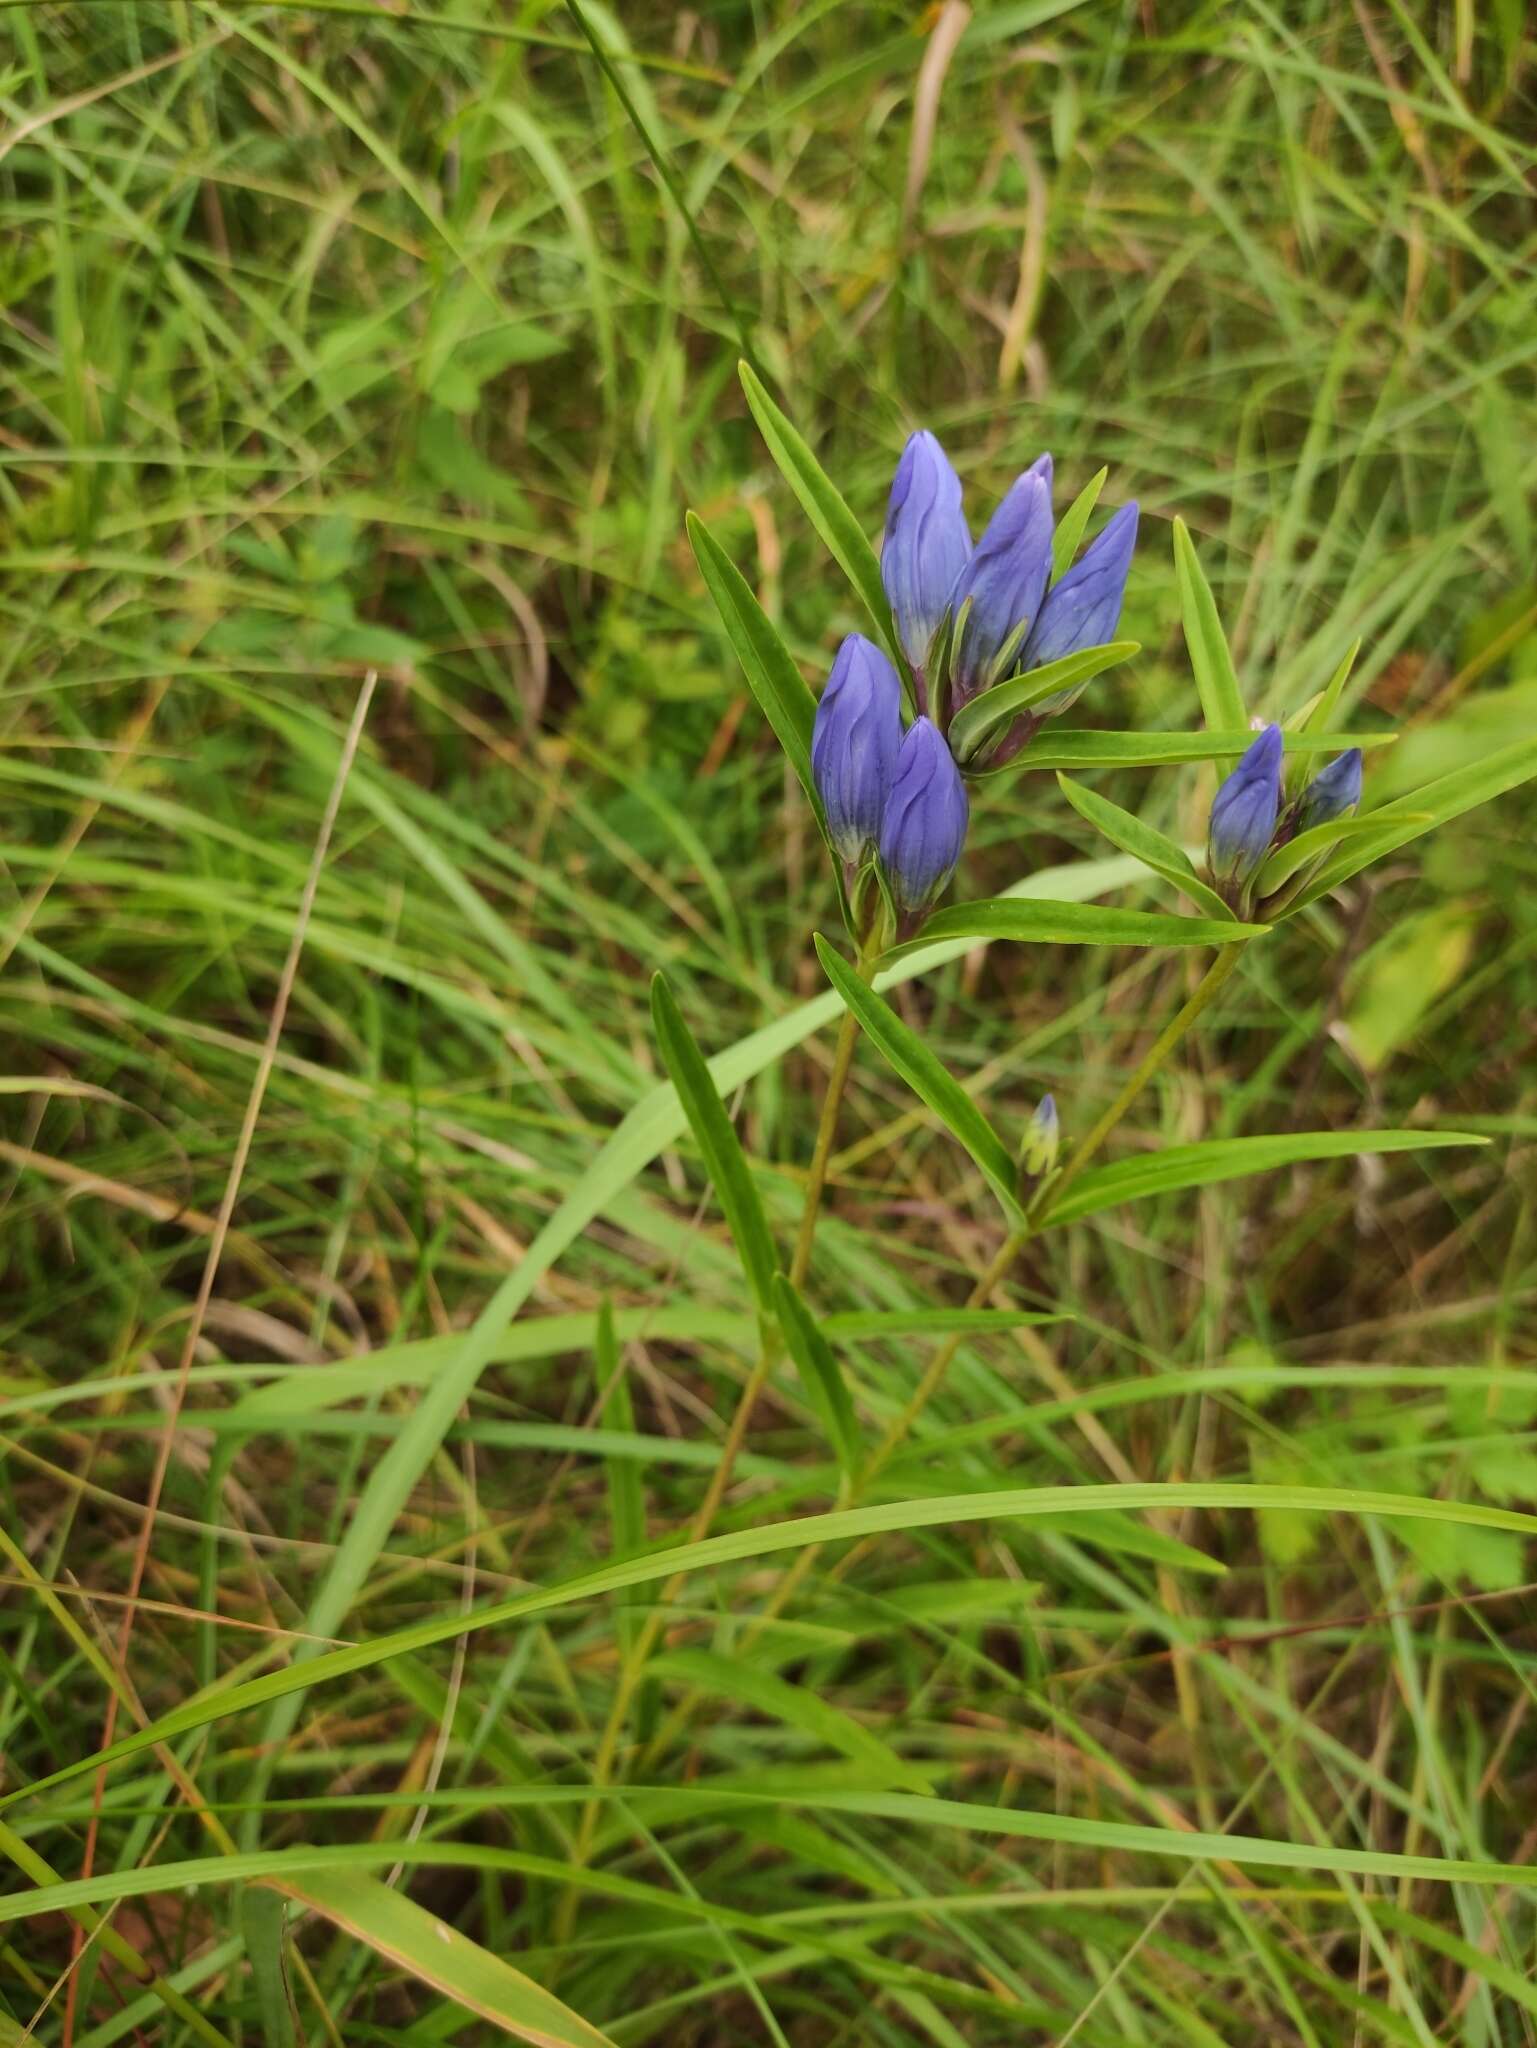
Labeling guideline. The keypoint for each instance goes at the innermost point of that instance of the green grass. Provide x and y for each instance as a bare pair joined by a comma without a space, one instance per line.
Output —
1172,1684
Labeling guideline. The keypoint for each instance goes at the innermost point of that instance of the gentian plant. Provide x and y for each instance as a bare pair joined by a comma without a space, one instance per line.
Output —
970,650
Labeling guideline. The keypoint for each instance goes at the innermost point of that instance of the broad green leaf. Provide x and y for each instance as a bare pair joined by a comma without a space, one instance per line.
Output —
1410,967
1054,748
1218,1159
840,530
1422,809
783,694
1289,859
1149,846
725,1161
1216,680
927,1076
1069,531
975,723
821,1374
762,1539
734,1678
429,1949
262,1914
1075,924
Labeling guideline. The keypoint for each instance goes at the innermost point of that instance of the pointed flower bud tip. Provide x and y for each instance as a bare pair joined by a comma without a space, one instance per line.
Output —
1005,581
924,827
1244,810
1038,1152
927,543
1083,607
1335,792
854,744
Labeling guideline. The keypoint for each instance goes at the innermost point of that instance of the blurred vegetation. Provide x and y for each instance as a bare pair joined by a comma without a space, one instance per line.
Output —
342,338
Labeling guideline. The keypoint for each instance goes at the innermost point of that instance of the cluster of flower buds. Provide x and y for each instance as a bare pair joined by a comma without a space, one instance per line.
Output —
1249,816
966,618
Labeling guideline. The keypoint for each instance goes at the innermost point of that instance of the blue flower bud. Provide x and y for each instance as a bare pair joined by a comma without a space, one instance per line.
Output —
1038,1151
1333,793
924,827
927,544
854,744
1005,581
1083,608
1243,812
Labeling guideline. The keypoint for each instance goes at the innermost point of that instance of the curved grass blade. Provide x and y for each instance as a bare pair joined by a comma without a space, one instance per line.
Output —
927,1076
1072,924
821,1374
1219,1159
1152,848
1026,1504
725,1161
973,723
428,1949
1216,680
841,532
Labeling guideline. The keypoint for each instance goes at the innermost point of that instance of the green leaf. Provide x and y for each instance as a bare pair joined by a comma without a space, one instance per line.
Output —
1072,924
783,694
724,1159
1216,681
926,1075
1312,845
840,530
427,1948
880,1323
1149,846
821,1374
1198,1166
262,1913
733,1678
976,721
1422,809
761,1539
1323,711
1054,748
1064,542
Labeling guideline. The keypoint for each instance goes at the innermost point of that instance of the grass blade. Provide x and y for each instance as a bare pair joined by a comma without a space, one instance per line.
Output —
821,1374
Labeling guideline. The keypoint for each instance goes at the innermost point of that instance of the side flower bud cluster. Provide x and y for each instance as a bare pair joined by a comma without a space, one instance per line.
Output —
1248,818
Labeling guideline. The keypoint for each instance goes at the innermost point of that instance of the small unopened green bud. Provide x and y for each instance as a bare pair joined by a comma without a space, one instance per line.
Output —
1038,1152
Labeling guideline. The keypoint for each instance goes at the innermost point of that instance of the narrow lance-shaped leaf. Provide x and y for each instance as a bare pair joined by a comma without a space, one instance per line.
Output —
973,723
1216,680
1064,747
1422,809
1077,924
1151,847
1313,844
821,1374
721,1149
925,1073
783,694
845,538
1070,527
1219,1159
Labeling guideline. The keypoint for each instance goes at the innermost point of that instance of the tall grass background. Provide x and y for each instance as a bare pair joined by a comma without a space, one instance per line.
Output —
343,341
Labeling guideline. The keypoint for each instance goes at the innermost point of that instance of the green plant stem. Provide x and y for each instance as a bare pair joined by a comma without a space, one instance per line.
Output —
770,1351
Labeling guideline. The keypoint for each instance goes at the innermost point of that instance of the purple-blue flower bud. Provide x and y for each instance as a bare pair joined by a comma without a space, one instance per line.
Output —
1333,793
924,827
1005,581
1244,810
1043,1136
854,744
1083,608
927,543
